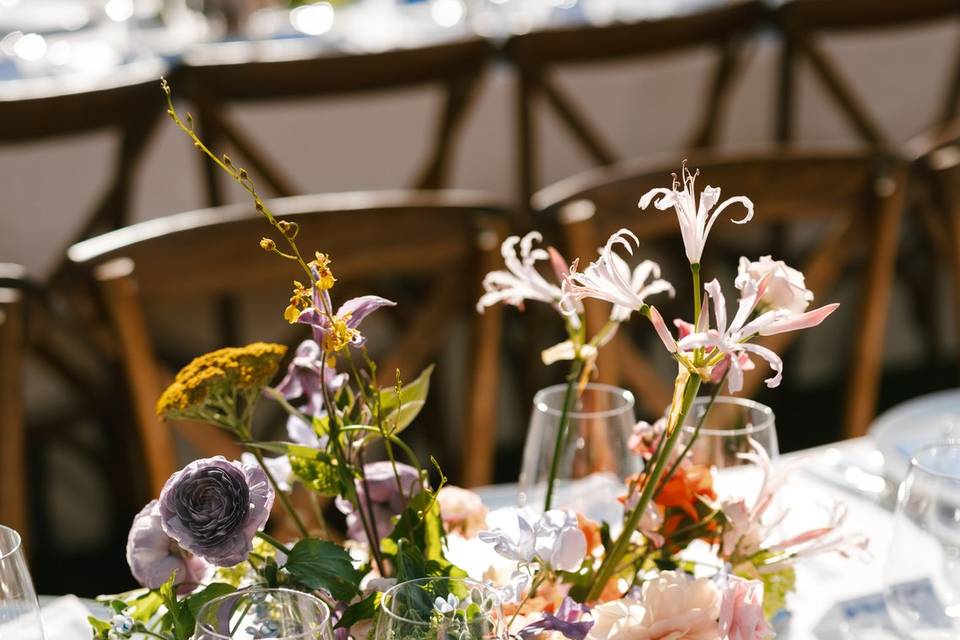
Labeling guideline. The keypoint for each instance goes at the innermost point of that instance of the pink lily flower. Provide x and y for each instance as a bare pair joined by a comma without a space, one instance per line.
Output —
609,278
695,219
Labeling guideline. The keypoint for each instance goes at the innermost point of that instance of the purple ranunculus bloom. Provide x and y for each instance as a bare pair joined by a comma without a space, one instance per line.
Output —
568,621
304,381
384,496
153,556
214,507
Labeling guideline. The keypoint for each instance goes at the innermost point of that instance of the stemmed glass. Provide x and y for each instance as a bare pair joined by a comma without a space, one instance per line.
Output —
19,607
282,614
733,426
595,451
441,608
923,566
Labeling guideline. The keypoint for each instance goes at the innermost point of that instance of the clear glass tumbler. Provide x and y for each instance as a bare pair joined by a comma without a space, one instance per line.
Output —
594,457
281,614
437,608
923,566
19,607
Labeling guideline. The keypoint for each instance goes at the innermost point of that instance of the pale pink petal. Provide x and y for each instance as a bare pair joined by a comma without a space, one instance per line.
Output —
776,364
800,321
661,328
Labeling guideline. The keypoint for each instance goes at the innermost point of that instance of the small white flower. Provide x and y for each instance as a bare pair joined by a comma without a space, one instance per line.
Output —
695,220
554,539
121,625
447,606
786,288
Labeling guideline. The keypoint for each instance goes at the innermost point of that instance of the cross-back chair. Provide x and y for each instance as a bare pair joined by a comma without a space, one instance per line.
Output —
13,468
536,55
858,197
448,238
217,77
803,22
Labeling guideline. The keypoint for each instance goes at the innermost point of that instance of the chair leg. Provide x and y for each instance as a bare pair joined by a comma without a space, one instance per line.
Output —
866,363
13,470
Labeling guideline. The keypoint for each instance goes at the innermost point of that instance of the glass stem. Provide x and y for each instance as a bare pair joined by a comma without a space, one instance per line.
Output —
575,368
685,391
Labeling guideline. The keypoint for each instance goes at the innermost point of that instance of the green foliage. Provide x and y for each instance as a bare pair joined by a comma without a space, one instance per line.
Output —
318,474
320,564
776,586
397,411
365,609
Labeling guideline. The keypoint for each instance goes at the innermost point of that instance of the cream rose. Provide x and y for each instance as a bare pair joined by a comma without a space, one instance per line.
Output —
786,288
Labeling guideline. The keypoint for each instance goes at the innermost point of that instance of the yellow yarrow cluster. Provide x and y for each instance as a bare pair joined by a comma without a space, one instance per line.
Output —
223,370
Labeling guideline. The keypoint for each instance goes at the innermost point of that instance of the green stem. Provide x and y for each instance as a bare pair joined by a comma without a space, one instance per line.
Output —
575,368
284,500
695,271
689,391
269,539
696,432
533,589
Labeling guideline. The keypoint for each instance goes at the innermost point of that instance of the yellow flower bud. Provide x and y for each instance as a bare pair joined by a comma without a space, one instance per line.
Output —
267,244
291,314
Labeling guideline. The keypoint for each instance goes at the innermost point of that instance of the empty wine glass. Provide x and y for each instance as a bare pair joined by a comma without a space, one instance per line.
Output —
436,608
282,614
923,566
733,426
594,452
19,608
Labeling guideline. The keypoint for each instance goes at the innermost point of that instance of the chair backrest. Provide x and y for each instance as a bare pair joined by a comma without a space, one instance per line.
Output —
803,21
537,53
217,76
448,238
857,196
13,472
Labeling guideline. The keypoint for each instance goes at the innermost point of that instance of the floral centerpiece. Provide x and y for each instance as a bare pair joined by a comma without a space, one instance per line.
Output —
553,573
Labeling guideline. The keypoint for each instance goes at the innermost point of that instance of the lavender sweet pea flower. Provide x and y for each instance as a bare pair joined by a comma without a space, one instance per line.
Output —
568,621
153,556
214,507
384,496
305,379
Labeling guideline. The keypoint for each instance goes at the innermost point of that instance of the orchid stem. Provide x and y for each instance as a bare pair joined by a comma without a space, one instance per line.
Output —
562,430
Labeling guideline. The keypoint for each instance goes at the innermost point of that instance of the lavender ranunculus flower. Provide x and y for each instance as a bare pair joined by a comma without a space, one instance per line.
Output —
384,496
304,381
153,556
214,507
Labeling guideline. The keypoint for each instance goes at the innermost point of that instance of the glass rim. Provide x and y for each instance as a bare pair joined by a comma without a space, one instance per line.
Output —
915,463
207,631
767,412
423,623
17,542
629,401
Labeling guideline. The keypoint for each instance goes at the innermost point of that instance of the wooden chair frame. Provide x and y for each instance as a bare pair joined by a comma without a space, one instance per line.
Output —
214,78
416,233
537,53
785,187
13,468
801,22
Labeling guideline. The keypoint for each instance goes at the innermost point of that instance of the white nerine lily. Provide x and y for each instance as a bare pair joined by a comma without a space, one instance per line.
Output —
695,219
609,279
522,280
732,340
553,539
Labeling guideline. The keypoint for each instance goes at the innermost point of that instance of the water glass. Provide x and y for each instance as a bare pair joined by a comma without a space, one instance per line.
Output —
19,608
923,567
282,614
439,609
594,458
732,427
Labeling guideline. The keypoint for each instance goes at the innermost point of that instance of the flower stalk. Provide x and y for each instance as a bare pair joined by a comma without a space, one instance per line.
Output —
568,399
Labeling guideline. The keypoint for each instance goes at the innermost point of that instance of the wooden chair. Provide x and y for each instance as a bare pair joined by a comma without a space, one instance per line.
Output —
538,53
448,238
803,22
13,468
857,197
215,77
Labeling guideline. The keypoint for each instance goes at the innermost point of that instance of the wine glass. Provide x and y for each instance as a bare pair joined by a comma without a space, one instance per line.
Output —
923,566
731,427
19,607
594,451
283,614
439,608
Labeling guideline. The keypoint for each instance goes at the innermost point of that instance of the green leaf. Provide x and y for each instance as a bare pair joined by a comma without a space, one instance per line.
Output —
366,609
320,564
398,411
211,591
101,628
179,615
